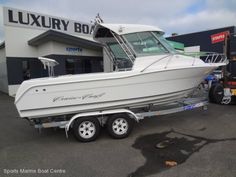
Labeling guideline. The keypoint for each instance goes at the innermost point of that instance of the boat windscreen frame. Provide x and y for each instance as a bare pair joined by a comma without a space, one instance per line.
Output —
160,45
164,42
116,59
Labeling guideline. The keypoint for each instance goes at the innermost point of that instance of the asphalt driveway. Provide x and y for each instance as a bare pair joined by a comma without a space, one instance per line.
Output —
201,143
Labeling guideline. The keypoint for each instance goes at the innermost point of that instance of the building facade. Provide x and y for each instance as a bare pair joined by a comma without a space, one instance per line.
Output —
221,40
29,35
203,39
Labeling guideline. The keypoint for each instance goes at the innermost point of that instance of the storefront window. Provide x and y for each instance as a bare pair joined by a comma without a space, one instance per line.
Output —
26,70
78,66
70,66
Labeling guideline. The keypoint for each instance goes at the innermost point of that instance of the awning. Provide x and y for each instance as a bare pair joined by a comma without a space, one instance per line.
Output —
60,37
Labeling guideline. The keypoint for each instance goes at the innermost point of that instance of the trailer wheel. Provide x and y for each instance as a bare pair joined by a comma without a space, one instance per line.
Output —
216,93
119,126
86,129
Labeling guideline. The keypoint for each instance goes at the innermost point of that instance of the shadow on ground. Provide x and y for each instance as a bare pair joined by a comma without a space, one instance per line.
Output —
168,146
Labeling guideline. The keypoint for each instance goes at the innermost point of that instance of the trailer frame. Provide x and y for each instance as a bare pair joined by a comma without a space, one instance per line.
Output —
136,114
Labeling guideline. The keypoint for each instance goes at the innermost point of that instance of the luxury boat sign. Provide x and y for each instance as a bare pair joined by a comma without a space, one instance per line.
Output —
21,18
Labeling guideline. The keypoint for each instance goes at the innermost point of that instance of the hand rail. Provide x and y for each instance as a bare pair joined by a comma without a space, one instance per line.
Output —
171,55
125,48
208,57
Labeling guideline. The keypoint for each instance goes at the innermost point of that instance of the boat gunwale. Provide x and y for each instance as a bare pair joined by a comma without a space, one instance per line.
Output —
112,107
135,73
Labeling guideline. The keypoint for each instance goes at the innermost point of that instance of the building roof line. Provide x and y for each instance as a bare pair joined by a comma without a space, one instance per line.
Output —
60,37
203,31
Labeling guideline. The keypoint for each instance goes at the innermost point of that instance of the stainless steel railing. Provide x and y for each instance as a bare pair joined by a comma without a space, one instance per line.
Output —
208,57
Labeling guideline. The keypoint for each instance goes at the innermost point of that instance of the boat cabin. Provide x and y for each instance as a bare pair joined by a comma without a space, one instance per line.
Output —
124,43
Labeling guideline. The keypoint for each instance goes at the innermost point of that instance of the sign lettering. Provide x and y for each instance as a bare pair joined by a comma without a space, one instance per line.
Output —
20,18
74,49
219,37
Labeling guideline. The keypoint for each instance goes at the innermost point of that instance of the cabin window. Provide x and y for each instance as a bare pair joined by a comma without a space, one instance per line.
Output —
145,43
164,42
121,59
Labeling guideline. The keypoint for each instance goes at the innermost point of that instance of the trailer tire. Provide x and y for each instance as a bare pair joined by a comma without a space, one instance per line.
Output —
119,126
216,93
86,129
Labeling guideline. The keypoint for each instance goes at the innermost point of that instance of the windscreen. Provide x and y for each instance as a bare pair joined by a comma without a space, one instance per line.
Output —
147,43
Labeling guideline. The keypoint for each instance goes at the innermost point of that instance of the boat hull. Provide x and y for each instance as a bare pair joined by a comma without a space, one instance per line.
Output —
58,97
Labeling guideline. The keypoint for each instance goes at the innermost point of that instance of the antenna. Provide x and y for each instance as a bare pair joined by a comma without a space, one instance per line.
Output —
98,19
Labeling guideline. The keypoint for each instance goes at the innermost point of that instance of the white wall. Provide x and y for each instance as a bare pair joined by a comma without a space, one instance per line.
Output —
60,48
52,47
192,49
12,90
45,49
3,71
16,41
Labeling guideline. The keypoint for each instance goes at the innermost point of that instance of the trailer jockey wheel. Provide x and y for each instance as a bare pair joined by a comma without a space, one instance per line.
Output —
120,126
86,129
216,93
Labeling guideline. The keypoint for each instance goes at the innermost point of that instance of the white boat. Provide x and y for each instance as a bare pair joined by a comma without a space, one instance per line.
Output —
148,71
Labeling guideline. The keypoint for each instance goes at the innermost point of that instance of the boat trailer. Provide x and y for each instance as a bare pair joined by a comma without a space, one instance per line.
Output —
119,122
